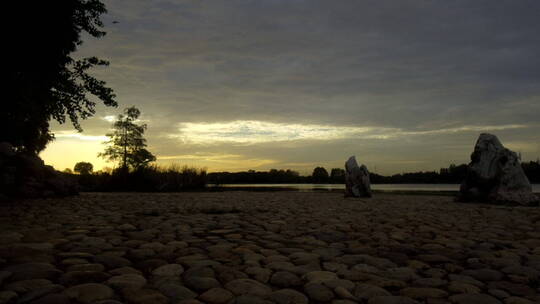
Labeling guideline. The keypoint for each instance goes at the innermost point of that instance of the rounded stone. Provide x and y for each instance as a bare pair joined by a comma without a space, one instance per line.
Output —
169,270
81,277
176,291
86,267
318,292
216,296
111,261
500,294
54,298
423,293
88,293
367,291
144,296
28,271
248,287
260,274
132,281
473,298
517,300
320,276
392,300
201,284
25,286
288,296
484,274
460,287
285,279
8,296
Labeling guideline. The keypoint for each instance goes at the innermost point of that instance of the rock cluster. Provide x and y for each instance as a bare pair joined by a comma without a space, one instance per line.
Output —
495,175
275,247
356,179
25,175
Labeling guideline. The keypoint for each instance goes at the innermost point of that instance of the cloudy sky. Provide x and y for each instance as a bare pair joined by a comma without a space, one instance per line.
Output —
259,84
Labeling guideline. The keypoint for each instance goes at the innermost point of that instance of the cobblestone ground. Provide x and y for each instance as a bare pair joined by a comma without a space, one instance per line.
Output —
267,247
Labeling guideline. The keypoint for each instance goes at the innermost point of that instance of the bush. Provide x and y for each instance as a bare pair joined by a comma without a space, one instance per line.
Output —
152,178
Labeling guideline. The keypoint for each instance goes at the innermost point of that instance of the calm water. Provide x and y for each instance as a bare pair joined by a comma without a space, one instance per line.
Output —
385,187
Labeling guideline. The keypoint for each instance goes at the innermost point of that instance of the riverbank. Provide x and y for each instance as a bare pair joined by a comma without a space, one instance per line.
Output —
267,247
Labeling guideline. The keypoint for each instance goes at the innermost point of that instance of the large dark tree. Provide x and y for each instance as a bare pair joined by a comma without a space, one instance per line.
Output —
127,145
83,168
319,175
44,81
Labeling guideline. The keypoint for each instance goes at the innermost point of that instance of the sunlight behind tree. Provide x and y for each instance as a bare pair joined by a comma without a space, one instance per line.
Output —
127,146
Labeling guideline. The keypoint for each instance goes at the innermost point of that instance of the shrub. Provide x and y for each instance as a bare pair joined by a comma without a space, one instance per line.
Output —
151,178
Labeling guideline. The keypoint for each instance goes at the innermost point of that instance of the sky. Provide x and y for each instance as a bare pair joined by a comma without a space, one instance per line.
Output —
294,84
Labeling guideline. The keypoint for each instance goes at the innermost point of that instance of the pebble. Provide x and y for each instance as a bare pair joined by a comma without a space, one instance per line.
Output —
367,291
39,292
285,279
7,297
131,281
474,298
392,300
169,270
318,292
248,287
423,293
25,286
176,291
80,277
145,296
216,296
53,298
319,276
86,267
90,292
201,284
288,296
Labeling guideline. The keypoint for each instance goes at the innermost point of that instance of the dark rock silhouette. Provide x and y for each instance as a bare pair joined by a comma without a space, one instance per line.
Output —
25,175
495,175
356,179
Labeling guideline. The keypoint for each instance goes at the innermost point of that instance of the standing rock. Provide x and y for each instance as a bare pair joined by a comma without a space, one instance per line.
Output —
356,179
495,175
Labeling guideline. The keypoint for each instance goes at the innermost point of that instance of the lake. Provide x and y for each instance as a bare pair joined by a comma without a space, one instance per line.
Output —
381,187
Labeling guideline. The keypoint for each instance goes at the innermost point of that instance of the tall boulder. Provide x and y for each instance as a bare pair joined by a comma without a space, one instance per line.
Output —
495,175
356,179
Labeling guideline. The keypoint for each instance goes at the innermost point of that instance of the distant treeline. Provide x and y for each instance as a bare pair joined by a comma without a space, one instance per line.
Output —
454,174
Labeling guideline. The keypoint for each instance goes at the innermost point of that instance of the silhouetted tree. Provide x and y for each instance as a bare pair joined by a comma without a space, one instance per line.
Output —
127,144
68,171
83,168
320,175
532,170
44,82
337,175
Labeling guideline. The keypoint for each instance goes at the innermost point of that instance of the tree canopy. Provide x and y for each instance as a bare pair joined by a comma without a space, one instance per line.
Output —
44,81
320,175
127,144
83,168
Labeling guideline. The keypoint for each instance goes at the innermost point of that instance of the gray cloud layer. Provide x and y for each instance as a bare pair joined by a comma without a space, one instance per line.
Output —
412,65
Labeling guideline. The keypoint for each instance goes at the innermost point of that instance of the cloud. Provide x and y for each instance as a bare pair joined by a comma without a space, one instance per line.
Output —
324,73
253,132
74,135
109,118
